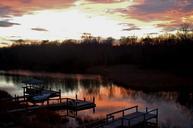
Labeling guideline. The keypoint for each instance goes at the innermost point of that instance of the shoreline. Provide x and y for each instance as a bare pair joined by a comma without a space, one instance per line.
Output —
128,76
133,77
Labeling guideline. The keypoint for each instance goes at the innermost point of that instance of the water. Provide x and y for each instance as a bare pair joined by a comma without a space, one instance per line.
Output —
175,108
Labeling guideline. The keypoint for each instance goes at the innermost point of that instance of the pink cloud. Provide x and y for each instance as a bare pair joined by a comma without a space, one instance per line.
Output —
159,10
19,7
106,1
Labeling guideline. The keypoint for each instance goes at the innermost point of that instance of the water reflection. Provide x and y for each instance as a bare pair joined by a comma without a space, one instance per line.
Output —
175,108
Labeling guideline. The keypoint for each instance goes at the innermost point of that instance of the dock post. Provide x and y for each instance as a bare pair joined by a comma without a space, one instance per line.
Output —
60,95
129,123
93,99
144,121
48,102
146,109
157,118
121,122
24,92
156,122
25,100
15,97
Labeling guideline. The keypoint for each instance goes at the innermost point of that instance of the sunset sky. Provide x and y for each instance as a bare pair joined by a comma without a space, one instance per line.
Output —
64,19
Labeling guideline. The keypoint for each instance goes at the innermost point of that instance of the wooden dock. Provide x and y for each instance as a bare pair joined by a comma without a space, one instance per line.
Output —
60,104
129,117
37,98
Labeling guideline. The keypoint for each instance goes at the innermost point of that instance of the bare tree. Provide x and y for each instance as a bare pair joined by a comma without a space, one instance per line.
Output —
185,28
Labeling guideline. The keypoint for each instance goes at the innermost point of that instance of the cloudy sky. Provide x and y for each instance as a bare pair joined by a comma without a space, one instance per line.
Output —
63,19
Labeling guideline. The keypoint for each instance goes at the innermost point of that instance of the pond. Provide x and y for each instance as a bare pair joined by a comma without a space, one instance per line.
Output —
175,107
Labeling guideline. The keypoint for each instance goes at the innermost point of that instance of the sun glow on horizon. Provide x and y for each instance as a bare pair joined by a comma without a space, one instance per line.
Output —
60,24
69,19
66,24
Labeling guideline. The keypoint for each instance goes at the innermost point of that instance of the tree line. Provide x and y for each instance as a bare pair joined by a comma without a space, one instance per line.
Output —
169,51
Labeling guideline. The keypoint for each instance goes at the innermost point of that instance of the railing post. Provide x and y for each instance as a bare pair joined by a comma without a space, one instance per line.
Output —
107,118
76,97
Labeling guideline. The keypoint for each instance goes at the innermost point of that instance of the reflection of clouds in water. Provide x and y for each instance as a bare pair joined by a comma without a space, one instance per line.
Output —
174,114
171,113
9,87
12,90
110,97
6,84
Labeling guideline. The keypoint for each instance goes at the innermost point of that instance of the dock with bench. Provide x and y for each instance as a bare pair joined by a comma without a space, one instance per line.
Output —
129,117
37,98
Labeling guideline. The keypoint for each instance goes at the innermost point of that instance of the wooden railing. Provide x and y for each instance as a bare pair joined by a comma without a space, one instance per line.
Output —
143,116
111,116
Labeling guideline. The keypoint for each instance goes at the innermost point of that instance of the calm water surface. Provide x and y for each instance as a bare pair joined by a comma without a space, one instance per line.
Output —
175,108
